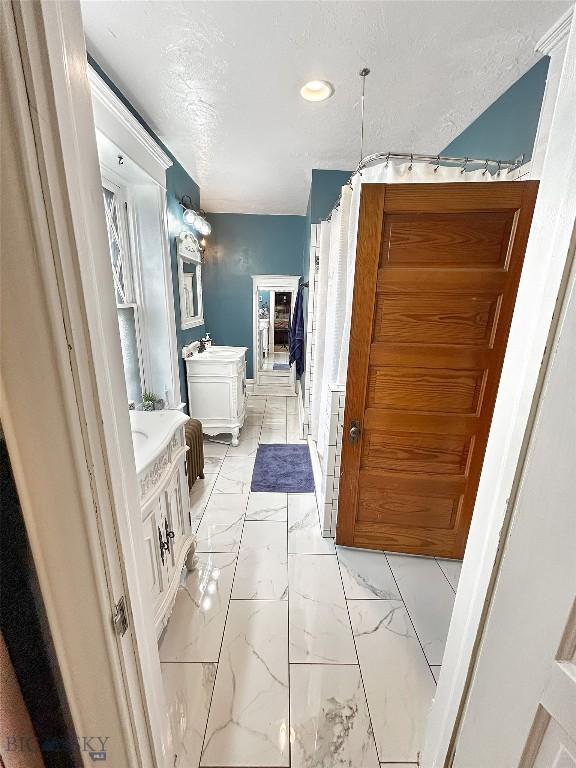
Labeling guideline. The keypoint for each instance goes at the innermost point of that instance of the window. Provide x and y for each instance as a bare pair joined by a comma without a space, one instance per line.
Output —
121,256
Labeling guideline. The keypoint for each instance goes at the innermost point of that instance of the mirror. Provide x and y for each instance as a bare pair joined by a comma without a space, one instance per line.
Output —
190,280
274,297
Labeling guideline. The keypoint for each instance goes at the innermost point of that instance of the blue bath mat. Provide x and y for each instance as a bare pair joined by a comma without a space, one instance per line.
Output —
281,468
280,367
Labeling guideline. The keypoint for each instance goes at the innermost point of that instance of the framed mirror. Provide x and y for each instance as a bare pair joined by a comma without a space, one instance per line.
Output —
273,307
190,281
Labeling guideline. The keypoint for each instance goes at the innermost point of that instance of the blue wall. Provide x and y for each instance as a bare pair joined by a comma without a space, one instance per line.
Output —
508,127
325,187
178,184
324,191
242,245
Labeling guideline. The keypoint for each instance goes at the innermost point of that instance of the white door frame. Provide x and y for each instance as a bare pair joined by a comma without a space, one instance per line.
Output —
271,339
273,283
86,404
547,253
64,397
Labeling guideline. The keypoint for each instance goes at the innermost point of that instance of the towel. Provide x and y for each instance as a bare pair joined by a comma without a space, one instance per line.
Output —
296,336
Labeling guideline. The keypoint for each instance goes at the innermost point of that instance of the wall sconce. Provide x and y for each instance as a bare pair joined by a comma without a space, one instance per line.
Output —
193,218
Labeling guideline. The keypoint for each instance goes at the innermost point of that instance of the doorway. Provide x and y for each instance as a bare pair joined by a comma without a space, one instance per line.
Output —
438,267
273,308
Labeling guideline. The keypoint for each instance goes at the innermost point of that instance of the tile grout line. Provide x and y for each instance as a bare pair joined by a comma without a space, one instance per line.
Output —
218,661
444,574
216,475
410,616
357,657
223,634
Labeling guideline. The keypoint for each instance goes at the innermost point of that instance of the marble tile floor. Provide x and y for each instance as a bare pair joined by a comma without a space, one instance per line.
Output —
284,650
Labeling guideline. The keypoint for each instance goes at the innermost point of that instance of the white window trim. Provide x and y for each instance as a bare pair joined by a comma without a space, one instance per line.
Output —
115,121
131,267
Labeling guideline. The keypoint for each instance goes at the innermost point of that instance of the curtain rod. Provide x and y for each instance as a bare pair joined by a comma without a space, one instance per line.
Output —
379,157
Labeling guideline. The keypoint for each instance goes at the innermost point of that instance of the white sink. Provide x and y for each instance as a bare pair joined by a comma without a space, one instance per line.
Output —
151,433
139,438
219,353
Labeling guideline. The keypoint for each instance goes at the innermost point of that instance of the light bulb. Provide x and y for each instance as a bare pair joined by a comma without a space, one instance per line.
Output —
317,90
205,227
189,216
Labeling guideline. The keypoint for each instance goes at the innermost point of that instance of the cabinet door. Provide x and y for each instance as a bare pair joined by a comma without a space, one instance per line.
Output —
241,390
162,525
152,562
184,498
174,514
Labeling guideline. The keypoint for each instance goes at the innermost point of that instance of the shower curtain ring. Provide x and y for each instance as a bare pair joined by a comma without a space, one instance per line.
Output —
387,160
437,163
485,171
499,166
411,161
465,164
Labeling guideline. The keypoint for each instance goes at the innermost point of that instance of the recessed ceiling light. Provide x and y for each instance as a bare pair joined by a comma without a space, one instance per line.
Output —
317,90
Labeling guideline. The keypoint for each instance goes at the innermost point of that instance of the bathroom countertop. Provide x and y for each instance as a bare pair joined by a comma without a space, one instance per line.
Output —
215,353
151,433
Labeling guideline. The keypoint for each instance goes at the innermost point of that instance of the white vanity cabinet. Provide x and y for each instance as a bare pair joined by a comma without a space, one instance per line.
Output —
160,453
217,388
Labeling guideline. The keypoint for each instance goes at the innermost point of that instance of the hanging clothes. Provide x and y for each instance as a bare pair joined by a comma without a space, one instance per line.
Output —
296,341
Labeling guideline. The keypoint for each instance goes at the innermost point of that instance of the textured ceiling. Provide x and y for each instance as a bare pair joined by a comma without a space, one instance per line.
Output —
219,81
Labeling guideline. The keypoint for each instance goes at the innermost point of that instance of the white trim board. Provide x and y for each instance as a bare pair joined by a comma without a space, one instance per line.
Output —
544,267
552,44
143,172
301,412
556,35
81,432
119,125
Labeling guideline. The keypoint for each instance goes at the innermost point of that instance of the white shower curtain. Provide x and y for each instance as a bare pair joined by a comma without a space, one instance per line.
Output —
337,312
320,330
335,308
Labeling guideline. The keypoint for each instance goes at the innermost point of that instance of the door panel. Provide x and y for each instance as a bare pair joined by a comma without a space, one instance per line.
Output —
424,389
423,317
437,270
449,239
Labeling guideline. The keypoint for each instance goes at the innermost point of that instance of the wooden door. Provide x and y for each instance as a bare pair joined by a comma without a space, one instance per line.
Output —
437,271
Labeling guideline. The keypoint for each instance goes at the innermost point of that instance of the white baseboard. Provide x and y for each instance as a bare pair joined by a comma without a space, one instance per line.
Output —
301,413
250,386
317,472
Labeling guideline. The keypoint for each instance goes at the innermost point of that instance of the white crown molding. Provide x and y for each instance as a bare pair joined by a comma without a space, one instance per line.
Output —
105,96
556,35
